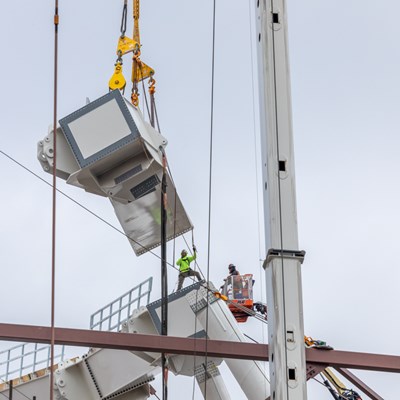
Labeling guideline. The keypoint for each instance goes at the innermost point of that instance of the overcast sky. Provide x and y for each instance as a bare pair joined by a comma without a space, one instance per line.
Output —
345,63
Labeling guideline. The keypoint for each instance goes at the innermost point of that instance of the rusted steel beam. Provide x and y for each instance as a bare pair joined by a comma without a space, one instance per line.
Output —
348,359
135,342
359,384
313,370
187,346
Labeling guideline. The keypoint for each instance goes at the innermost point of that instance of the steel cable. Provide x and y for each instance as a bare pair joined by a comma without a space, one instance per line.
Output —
54,197
210,178
124,18
82,206
105,221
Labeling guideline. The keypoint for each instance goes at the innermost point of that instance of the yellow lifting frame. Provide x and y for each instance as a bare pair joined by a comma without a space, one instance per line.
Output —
140,70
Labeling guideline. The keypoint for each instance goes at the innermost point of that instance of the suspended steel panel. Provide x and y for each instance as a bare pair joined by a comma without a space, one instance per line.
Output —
108,149
141,219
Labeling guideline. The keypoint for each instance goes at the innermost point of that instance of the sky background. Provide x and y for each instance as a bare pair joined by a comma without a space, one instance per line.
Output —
344,62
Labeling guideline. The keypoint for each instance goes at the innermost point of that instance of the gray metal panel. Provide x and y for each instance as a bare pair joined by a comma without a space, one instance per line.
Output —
145,187
202,375
182,322
181,318
39,387
100,128
141,219
128,174
115,370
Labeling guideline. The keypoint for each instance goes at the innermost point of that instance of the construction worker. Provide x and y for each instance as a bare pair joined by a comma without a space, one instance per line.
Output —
184,267
232,271
229,282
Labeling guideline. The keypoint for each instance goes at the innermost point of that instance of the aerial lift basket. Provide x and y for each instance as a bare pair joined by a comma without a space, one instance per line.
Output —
239,291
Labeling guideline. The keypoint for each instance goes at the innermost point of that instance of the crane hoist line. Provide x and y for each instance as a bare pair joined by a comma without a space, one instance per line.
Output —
140,70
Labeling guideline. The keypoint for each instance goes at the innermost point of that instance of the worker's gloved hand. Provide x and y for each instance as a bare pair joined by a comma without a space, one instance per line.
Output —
194,249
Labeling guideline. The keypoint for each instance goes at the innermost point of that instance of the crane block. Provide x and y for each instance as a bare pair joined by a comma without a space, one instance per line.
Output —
117,80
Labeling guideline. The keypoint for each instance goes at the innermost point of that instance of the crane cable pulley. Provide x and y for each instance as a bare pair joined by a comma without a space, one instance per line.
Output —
118,80
140,70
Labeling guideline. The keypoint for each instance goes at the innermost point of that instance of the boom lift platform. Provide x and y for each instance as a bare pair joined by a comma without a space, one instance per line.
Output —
238,289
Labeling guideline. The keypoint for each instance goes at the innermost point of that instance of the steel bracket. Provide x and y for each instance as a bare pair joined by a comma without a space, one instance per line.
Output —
282,253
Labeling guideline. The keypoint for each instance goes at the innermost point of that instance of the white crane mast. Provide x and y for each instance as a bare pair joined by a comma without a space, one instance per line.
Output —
283,261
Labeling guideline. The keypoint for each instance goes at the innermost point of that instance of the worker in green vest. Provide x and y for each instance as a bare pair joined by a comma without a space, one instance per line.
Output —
184,267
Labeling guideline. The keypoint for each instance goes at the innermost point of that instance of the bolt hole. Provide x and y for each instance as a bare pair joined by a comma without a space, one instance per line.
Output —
292,374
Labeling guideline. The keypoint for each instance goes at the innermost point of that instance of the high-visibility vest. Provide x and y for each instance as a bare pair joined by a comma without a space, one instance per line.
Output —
184,263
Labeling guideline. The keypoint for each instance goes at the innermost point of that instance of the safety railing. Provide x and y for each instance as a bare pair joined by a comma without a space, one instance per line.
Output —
114,314
26,358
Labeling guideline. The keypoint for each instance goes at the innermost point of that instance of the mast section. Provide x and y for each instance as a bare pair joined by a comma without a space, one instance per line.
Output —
283,262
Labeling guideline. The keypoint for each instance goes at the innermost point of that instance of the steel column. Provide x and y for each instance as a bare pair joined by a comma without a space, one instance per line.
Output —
283,270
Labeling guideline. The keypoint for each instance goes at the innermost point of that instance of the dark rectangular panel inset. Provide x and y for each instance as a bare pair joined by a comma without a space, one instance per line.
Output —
145,187
128,174
292,374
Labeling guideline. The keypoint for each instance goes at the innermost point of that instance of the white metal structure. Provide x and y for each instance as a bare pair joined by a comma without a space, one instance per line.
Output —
283,261
104,374
108,149
28,364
